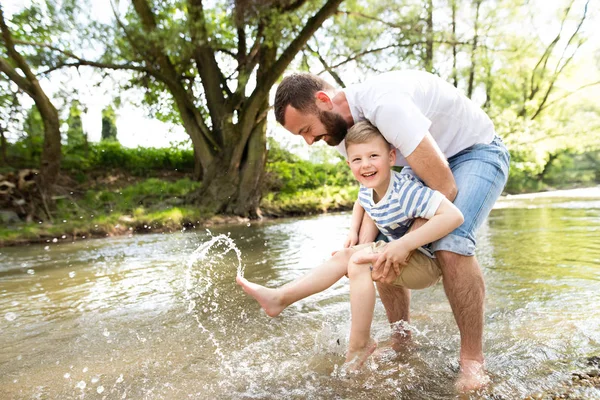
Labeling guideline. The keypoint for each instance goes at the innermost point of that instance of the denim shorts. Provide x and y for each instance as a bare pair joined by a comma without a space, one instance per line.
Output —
480,172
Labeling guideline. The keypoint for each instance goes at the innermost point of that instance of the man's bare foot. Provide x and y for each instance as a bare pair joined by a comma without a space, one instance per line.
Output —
472,376
269,299
356,358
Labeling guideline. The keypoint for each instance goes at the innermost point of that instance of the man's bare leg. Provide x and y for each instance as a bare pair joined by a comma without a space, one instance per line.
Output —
465,289
396,301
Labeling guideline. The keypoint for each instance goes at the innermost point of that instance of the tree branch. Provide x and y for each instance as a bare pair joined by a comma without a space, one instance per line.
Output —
130,39
12,52
293,6
312,25
559,68
363,53
331,72
548,104
210,74
534,88
186,106
14,76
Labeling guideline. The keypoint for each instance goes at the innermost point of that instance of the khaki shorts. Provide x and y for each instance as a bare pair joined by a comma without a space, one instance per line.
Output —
420,271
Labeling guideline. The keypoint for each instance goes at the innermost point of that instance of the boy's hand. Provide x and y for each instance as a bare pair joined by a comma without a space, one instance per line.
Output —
351,239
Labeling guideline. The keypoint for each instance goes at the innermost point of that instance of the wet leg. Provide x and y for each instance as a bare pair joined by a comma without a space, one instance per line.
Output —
396,301
274,301
362,305
465,289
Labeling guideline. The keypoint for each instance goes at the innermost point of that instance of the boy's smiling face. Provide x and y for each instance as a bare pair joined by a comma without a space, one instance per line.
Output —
370,163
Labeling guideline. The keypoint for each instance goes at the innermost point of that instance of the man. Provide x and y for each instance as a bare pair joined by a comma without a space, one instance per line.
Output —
446,141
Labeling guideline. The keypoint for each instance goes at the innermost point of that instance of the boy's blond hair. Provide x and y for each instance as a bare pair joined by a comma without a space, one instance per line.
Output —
363,132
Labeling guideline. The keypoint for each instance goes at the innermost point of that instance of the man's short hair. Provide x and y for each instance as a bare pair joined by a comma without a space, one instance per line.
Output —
298,90
363,132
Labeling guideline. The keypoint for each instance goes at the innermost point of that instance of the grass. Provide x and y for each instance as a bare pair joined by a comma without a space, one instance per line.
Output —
156,205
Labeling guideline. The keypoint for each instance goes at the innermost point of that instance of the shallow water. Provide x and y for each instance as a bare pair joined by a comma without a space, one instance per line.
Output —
139,317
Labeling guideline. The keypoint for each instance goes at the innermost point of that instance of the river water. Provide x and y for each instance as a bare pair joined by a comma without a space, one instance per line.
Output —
147,317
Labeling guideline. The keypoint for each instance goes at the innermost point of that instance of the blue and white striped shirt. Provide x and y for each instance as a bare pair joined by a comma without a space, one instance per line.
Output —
406,199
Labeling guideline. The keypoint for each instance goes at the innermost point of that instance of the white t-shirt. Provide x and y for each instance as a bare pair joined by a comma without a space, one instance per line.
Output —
404,105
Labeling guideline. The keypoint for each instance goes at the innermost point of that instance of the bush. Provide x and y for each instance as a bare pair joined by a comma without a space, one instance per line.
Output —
110,154
151,194
286,173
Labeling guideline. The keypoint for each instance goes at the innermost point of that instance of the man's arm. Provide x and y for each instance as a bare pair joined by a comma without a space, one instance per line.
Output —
430,165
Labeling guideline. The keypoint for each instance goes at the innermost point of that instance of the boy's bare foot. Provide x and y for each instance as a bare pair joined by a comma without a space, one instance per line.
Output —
472,376
269,299
356,358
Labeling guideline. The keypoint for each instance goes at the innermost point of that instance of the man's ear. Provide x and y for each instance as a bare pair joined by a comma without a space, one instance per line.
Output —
323,101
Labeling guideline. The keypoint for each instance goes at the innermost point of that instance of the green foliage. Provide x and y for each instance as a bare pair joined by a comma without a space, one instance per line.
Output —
76,137
28,148
109,124
150,195
287,174
524,171
570,168
310,201
138,160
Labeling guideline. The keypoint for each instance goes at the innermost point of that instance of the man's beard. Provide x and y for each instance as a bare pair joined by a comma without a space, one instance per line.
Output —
335,126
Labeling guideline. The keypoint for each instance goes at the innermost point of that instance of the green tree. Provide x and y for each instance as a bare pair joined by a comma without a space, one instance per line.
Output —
211,68
109,124
9,109
77,139
33,128
14,65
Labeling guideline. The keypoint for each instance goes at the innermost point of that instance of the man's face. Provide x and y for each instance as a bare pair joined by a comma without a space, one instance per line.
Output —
316,125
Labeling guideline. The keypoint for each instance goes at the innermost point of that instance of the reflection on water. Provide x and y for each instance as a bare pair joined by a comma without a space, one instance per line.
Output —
142,317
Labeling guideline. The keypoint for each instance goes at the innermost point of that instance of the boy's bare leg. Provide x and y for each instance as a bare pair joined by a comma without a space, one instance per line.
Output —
465,289
362,304
274,301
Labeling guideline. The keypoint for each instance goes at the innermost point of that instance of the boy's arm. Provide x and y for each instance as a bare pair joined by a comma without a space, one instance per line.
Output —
446,219
355,224
368,230
362,228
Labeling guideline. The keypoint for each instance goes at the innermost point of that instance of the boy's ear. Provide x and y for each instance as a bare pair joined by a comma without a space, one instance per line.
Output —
392,157
347,162
323,100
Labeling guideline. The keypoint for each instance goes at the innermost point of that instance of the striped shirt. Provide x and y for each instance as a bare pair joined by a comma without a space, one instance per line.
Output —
406,199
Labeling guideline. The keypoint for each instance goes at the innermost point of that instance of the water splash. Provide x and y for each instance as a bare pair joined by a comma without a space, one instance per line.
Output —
204,280
202,252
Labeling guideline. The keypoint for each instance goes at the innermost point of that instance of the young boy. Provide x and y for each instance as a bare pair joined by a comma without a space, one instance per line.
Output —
392,201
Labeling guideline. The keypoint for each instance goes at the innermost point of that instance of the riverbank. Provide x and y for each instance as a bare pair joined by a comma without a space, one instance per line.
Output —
115,205
579,387
155,210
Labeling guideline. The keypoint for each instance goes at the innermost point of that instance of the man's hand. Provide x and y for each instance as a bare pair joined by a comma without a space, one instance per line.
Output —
377,274
393,258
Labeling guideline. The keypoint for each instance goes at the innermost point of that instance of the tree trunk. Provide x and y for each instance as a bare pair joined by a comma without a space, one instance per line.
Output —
454,47
231,187
471,82
3,146
51,153
252,171
429,36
